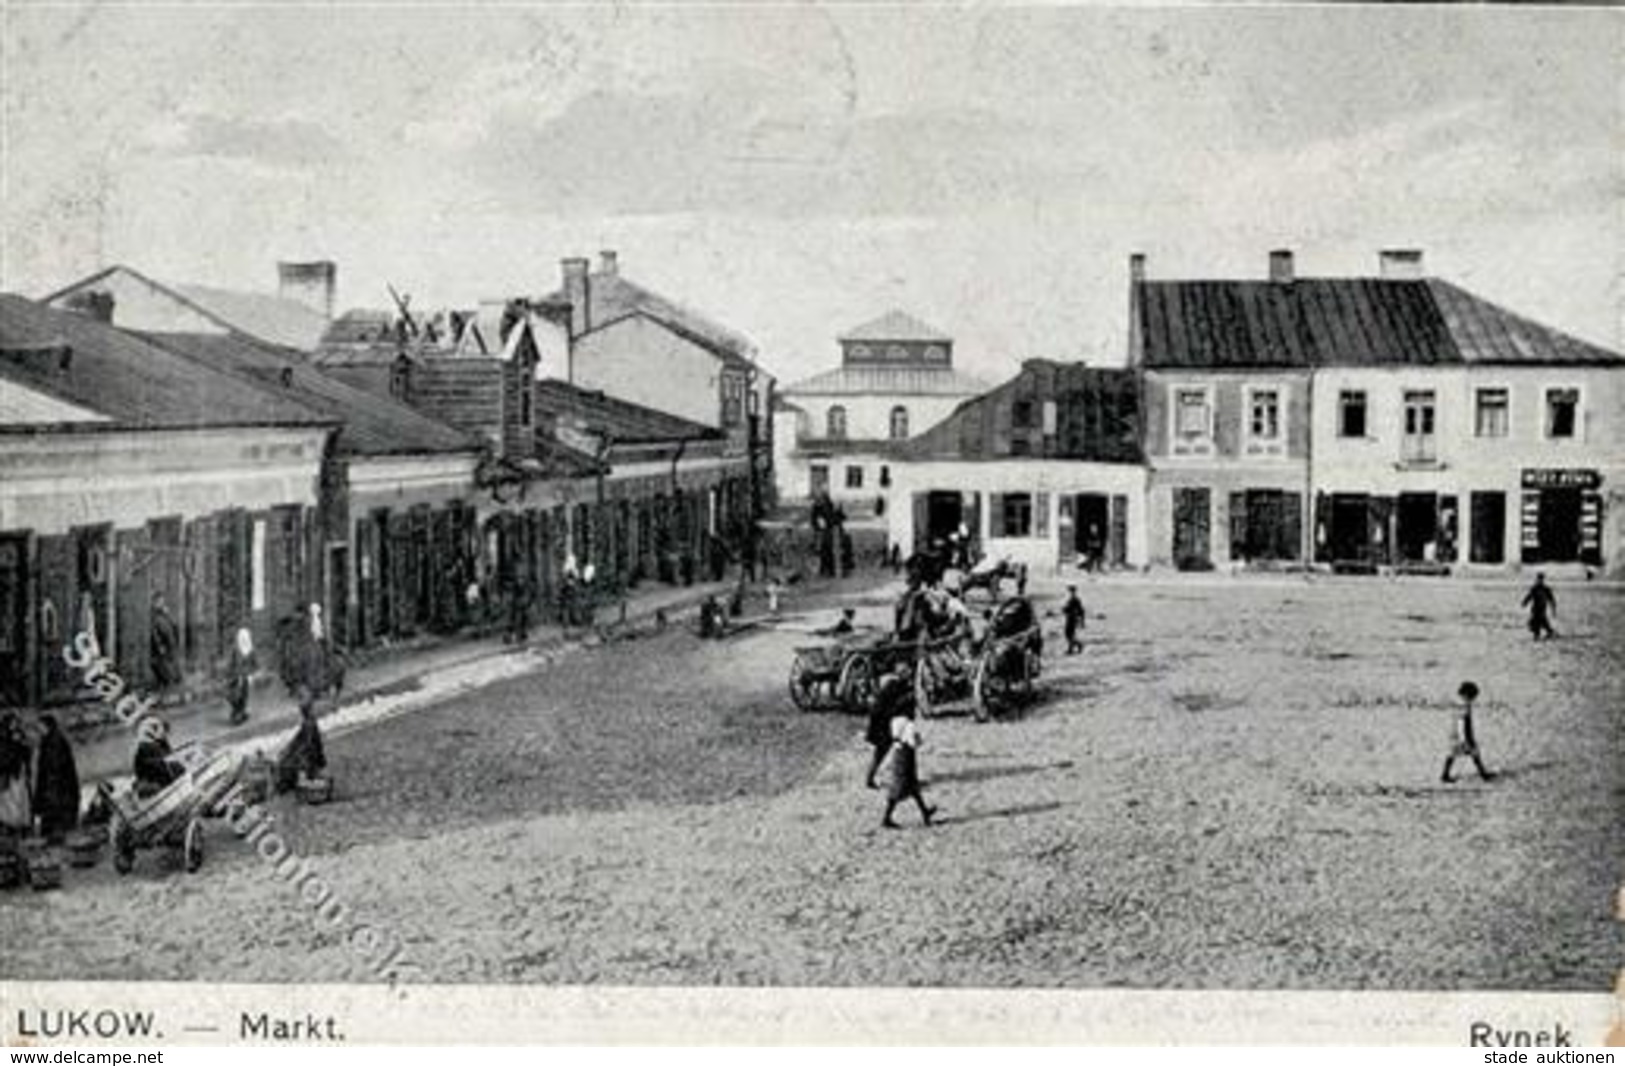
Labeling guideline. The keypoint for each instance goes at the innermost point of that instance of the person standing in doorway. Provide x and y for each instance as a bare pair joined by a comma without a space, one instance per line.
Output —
1465,741
239,675
1542,605
164,642
1072,614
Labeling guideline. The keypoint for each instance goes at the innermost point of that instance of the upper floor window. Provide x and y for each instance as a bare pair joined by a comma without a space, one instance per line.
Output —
854,477
400,379
527,404
899,422
860,351
1562,413
1419,445
733,401
1264,415
897,353
1021,414
936,353
835,423
1351,413
1193,419
1491,413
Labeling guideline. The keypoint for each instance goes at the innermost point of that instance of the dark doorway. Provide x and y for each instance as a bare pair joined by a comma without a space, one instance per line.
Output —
1560,525
1192,522
1418,526
944,513
1091,526
13,619
1350,534
1489,521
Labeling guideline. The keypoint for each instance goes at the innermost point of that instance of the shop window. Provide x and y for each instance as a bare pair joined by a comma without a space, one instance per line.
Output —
1491,413
1015,515
1562,413
1351,413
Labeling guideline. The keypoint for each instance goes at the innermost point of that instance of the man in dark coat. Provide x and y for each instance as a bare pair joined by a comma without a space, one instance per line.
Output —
1541,603
164,642
56,783
306,755
1072,614
155,769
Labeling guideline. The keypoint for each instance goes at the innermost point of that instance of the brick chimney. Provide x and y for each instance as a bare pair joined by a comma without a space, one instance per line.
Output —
608,262
1400,264
311,284
1281,266
1136,267
577,289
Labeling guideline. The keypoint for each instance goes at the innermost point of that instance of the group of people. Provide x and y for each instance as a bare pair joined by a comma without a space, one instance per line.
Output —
39,784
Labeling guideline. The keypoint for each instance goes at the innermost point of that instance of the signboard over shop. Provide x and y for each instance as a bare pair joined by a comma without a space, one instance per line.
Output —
1561,479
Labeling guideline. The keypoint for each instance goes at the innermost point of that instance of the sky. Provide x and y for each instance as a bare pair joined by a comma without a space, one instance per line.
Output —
795,169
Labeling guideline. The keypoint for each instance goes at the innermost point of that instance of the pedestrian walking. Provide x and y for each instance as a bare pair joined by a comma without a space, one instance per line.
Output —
164,642
56,783
1072,613
1464,742
240,674
1542,604
305,757
902,757
518,597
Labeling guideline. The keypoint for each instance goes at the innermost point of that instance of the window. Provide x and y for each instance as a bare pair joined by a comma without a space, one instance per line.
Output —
733,401
527,404
1351,413
1193,420
897,353
936,354
899,422
400,379
1264,415
1562,413
1016,514
1490,417
835,423
1418,445
256,567
1051,418
854,477
860,352
885,477
1021,414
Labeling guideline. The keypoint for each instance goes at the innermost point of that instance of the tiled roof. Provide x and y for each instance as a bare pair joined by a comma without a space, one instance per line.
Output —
627,423
372,425
90,364
1097,418
896,326
888,381
1339,322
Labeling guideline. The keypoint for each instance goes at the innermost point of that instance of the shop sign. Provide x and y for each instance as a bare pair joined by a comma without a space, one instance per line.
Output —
1561,479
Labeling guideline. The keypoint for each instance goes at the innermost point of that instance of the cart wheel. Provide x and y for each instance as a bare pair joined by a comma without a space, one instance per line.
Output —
857,685
803,684
123,849
192,846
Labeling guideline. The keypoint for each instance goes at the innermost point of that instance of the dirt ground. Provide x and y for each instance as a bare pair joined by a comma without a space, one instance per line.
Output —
1235,786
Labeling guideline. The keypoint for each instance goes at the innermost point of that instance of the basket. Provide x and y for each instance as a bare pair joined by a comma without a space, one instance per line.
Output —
85,847
315,790
45,872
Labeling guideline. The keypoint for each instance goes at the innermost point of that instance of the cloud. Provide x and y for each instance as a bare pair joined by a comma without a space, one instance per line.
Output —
275,143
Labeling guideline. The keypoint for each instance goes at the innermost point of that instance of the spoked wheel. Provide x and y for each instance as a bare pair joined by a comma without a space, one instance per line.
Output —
192,846
123,849
857,684
803,684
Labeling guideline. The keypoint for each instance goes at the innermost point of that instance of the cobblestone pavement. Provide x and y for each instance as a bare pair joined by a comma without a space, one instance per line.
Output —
1236,785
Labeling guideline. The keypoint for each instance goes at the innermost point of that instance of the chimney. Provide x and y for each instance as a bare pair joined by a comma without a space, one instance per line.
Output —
1281,266
1136,267
311,284
608,262
1400,264
577,291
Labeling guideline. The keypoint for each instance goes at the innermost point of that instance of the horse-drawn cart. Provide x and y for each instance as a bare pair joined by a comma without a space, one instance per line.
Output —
846,674
172,817
1010,660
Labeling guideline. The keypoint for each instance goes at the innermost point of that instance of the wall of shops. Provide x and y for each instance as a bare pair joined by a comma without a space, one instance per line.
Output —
1048,487
1196,516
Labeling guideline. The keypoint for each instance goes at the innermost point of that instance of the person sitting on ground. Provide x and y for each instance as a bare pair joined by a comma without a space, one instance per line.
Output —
305,757
156,768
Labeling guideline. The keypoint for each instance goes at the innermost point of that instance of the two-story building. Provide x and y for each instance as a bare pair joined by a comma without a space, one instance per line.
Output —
838,433
1046,470
1393,420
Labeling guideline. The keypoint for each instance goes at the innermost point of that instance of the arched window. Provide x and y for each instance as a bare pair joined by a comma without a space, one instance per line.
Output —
897,353
861,352
835,423
899,422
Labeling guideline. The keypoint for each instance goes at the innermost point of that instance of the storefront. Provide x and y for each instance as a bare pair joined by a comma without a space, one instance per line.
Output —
1562,516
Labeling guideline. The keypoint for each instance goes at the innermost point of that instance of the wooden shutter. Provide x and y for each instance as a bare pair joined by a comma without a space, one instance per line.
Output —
1041,514
995,511
1117,550
1240,550
1291,526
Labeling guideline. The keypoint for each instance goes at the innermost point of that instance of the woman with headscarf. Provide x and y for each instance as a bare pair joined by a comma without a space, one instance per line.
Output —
239,673
164,638
305,757
155,767
16,801
56,782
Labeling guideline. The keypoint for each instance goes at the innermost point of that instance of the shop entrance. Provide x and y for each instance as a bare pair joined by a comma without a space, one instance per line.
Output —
1559,525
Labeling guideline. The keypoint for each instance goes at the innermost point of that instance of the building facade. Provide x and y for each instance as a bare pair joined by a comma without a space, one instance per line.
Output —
837,433
1044,470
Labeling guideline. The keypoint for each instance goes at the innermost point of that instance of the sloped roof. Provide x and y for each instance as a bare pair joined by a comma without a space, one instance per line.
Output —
136,384
1340,322
359,325
263,316
888,381
896,325
627,423
613,298
1097,418
372,425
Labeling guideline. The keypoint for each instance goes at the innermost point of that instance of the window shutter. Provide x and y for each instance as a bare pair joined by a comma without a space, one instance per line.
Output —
1291,526
1238,526
1040,514
995,505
